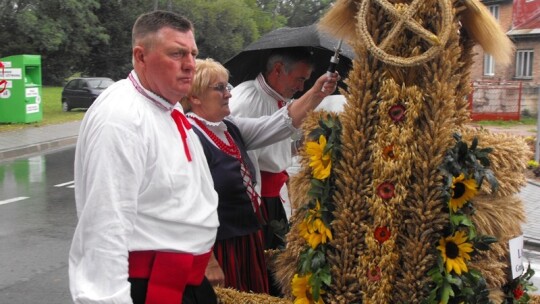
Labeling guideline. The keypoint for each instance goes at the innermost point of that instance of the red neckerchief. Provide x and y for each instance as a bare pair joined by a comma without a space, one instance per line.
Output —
179,119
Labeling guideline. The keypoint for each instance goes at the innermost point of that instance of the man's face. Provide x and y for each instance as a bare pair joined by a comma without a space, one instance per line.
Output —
169,64
289,83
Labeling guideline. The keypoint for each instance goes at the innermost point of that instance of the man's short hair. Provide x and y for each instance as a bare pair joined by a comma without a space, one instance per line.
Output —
151,23
289,57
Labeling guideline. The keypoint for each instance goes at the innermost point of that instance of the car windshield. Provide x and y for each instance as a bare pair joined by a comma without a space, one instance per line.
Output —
100,83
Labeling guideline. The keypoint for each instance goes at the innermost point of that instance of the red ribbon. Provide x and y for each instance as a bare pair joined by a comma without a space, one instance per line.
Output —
181,121
182,124
168,273
271,183
3,82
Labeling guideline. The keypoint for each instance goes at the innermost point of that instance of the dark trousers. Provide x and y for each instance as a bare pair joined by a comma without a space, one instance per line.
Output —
202,294
274,211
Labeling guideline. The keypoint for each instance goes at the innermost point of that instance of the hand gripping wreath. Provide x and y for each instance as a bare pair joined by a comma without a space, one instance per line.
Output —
404,20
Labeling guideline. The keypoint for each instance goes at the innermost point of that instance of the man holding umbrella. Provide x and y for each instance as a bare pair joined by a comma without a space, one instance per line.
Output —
286,72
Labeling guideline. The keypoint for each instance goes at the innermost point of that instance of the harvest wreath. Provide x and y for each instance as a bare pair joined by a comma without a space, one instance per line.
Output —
397,200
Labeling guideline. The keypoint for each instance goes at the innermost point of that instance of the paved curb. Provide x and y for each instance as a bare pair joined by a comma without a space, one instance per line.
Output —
38,147
531,242
528,240
532,182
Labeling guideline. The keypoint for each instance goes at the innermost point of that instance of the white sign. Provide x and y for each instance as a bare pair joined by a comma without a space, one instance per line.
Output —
12,74
516,256
32,92
7,64
32,108
5,94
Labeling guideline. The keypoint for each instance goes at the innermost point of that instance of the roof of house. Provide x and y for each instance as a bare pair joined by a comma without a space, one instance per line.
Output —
529,27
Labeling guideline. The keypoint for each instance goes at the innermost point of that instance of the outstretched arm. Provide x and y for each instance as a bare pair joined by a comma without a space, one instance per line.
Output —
323,87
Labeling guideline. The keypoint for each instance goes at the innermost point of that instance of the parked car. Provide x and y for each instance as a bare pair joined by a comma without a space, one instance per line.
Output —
81,92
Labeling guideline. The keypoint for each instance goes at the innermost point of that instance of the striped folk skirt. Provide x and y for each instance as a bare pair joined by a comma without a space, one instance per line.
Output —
242,260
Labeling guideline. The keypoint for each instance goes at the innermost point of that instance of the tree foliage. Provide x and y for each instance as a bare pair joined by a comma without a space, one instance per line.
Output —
61,31
296,12
113,56
93,37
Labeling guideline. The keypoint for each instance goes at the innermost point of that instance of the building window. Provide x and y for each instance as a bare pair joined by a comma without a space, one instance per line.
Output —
524,63
494,10
489,65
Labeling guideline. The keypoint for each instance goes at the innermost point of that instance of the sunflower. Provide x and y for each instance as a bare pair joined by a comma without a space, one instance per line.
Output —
321,234
320,161
462,191
455,252
313,229
301,290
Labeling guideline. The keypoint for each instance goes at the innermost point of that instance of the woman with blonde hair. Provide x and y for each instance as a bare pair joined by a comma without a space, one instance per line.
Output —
238,259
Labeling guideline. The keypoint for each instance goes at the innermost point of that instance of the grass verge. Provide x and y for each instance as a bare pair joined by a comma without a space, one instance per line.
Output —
524,121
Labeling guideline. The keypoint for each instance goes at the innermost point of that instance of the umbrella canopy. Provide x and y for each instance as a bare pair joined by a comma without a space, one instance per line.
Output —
247,64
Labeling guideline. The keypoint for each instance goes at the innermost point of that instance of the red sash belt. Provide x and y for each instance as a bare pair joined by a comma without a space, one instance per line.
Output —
271,183
168,273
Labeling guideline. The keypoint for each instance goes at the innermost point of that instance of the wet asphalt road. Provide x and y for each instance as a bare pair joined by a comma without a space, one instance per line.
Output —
37,219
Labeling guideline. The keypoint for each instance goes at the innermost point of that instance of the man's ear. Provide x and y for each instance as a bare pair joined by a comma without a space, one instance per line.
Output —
138,54
279,68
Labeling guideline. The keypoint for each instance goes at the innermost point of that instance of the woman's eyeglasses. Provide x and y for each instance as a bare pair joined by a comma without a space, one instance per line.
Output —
222,87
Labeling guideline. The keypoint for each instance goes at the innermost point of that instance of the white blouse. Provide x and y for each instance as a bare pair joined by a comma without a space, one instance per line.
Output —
256,132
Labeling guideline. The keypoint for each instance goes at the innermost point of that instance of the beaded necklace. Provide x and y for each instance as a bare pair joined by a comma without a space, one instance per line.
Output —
230,148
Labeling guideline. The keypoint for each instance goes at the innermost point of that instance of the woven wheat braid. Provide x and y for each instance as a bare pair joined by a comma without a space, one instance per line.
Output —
404,20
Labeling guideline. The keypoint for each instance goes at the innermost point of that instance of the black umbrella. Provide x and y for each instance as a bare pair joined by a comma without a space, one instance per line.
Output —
247,64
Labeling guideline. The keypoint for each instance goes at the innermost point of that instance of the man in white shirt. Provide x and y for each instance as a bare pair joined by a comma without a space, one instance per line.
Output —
145,198
286,72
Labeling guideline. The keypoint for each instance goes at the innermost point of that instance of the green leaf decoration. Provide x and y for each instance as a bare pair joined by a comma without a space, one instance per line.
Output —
470,286
312,261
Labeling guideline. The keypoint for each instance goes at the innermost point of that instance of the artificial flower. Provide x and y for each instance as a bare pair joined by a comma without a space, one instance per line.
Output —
518,292
320,161
388,152
462,191
397,112
382,234
374,274
455,252
386,190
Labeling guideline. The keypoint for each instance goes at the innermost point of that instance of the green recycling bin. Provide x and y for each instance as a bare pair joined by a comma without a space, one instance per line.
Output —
20,101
